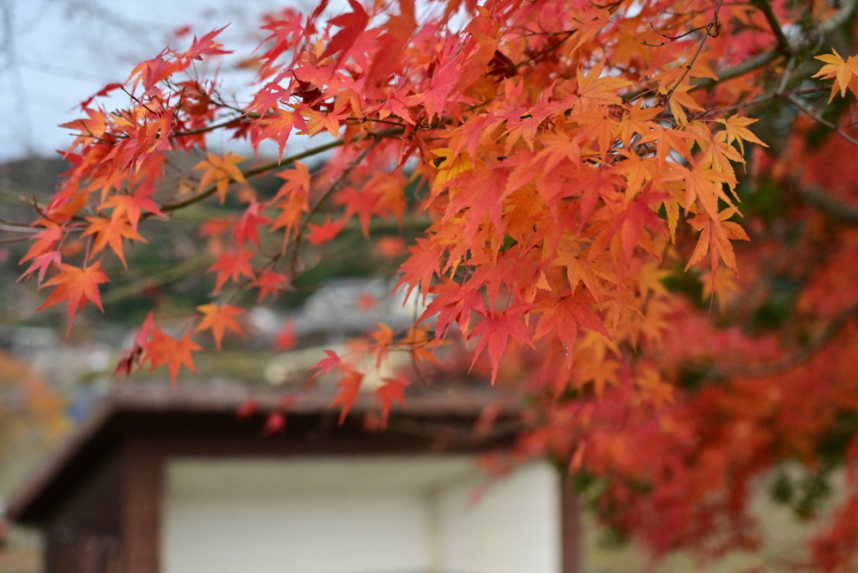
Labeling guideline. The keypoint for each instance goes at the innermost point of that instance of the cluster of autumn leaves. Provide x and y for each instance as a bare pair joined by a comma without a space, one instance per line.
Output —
563,155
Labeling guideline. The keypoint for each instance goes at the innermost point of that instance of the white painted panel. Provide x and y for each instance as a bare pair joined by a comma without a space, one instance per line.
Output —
357,515
513,528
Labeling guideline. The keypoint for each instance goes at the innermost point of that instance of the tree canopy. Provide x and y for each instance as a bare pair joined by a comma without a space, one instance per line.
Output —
645,211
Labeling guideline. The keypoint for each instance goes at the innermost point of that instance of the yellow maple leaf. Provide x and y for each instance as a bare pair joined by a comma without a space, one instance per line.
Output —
839,69
736,129
221,171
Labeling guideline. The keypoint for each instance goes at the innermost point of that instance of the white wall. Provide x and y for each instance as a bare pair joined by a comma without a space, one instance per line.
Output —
358,515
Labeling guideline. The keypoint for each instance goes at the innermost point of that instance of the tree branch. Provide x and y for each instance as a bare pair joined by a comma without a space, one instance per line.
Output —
823,121
832,207
783,42
270,166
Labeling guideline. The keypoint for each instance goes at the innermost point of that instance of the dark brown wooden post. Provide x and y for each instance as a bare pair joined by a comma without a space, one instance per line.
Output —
143,493
570,527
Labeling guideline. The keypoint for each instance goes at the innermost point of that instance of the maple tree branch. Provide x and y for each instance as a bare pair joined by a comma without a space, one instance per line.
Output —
11,227
803,354
819,119
273,165
670,38
832,207
762,99
711,30
214,126
766,8
155,280
334,186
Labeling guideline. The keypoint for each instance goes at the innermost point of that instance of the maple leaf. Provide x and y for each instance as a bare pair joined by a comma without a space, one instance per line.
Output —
325,232
598,88
349,386
277,125
44,240
206,46
42,263
353,24
383,338
495,330
453,302
479,193
164,349
232,266
443,81
221,171
325,365
75,286
839,69
563,315
285,338
271,282
111,232
393,390
737,130
246,229
420,267
717,233
133,205
704,183
297,181
218,318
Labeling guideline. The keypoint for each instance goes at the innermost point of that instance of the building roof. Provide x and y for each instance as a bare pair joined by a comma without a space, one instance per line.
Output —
203,420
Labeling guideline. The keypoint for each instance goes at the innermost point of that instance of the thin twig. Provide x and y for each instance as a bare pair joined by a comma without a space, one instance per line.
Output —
823,121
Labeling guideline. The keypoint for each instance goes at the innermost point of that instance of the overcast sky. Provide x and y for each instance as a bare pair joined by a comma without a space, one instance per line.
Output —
56,53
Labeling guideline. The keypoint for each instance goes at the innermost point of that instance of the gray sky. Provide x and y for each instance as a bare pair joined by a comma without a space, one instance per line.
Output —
56,53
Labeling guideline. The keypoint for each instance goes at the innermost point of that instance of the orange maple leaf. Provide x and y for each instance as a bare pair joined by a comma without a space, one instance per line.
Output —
74,286
218,318
111,232
221,171
164,349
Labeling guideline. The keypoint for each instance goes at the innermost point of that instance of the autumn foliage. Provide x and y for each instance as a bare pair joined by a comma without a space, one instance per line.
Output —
590,181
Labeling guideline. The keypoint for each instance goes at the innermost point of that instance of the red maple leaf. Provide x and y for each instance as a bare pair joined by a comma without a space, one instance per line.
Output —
325,232
133,205
353,24
564,314
232,266
42,263
285,339
393,390
246,229
349,386
326,364
495,329
271,282
45,240
420,267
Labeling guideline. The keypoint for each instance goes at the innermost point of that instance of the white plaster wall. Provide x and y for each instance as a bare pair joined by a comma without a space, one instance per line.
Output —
357,515
514,526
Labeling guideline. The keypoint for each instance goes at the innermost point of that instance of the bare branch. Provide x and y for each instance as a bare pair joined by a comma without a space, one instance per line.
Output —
832,207
820,119
783,42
